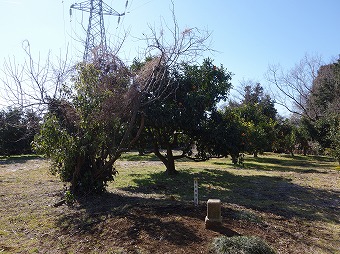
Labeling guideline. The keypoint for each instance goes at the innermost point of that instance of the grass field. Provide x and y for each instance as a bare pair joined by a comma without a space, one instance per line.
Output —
291,203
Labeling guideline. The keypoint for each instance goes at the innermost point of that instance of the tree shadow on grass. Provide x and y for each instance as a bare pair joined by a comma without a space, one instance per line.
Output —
144,216
296,164
309,157
171,231
284,168
4,160
270,194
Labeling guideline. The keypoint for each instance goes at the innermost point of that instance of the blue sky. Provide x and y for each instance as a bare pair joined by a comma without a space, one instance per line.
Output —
248,34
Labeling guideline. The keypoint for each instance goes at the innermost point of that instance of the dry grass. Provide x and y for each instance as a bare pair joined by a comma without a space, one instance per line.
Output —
292,203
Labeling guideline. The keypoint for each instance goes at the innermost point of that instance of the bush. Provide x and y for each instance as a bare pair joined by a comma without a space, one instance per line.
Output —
241,245
86,132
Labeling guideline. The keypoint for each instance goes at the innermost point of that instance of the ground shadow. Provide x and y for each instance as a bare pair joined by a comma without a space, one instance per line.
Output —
171,231
153,217
21,159
308,168
271,194
298,164
309,157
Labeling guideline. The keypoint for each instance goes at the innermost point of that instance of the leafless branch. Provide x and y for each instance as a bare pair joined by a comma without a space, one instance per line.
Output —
31,83
294,86
168,48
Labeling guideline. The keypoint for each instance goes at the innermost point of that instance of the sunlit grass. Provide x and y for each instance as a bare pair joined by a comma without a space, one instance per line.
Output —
262,182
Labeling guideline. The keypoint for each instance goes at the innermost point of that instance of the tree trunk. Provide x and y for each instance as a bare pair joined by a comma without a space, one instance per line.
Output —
255,154
76,175
234,159
304,151
168,160
170,165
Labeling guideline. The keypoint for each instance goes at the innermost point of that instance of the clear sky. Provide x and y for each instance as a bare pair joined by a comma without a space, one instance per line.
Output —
248,34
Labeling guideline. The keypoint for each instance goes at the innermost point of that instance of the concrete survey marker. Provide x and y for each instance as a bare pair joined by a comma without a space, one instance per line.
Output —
213,218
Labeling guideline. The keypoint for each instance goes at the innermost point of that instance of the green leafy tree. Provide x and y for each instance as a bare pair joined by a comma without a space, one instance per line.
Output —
289,136
335,137
254,96
224,133
176,121
260,136
86,134
258,112
323,106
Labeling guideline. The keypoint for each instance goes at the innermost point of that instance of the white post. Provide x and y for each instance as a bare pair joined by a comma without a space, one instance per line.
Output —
196,191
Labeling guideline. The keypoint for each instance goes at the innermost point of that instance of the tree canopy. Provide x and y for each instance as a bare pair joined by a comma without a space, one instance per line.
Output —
176,121
258,113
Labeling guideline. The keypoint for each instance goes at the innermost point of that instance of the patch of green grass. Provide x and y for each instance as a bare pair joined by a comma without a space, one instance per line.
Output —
241,245
4,232
34,250
248,216
134,156
22,157
129,174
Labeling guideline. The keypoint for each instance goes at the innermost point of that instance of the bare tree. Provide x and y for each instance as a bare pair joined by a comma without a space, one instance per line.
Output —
294,87
169,46
33,82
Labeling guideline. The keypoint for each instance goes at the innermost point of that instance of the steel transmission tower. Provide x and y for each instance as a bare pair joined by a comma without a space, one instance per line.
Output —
95,37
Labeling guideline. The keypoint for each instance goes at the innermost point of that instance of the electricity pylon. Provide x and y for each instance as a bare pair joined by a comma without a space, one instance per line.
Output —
95,42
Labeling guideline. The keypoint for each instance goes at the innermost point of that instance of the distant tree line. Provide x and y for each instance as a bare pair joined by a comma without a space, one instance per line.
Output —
17,131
